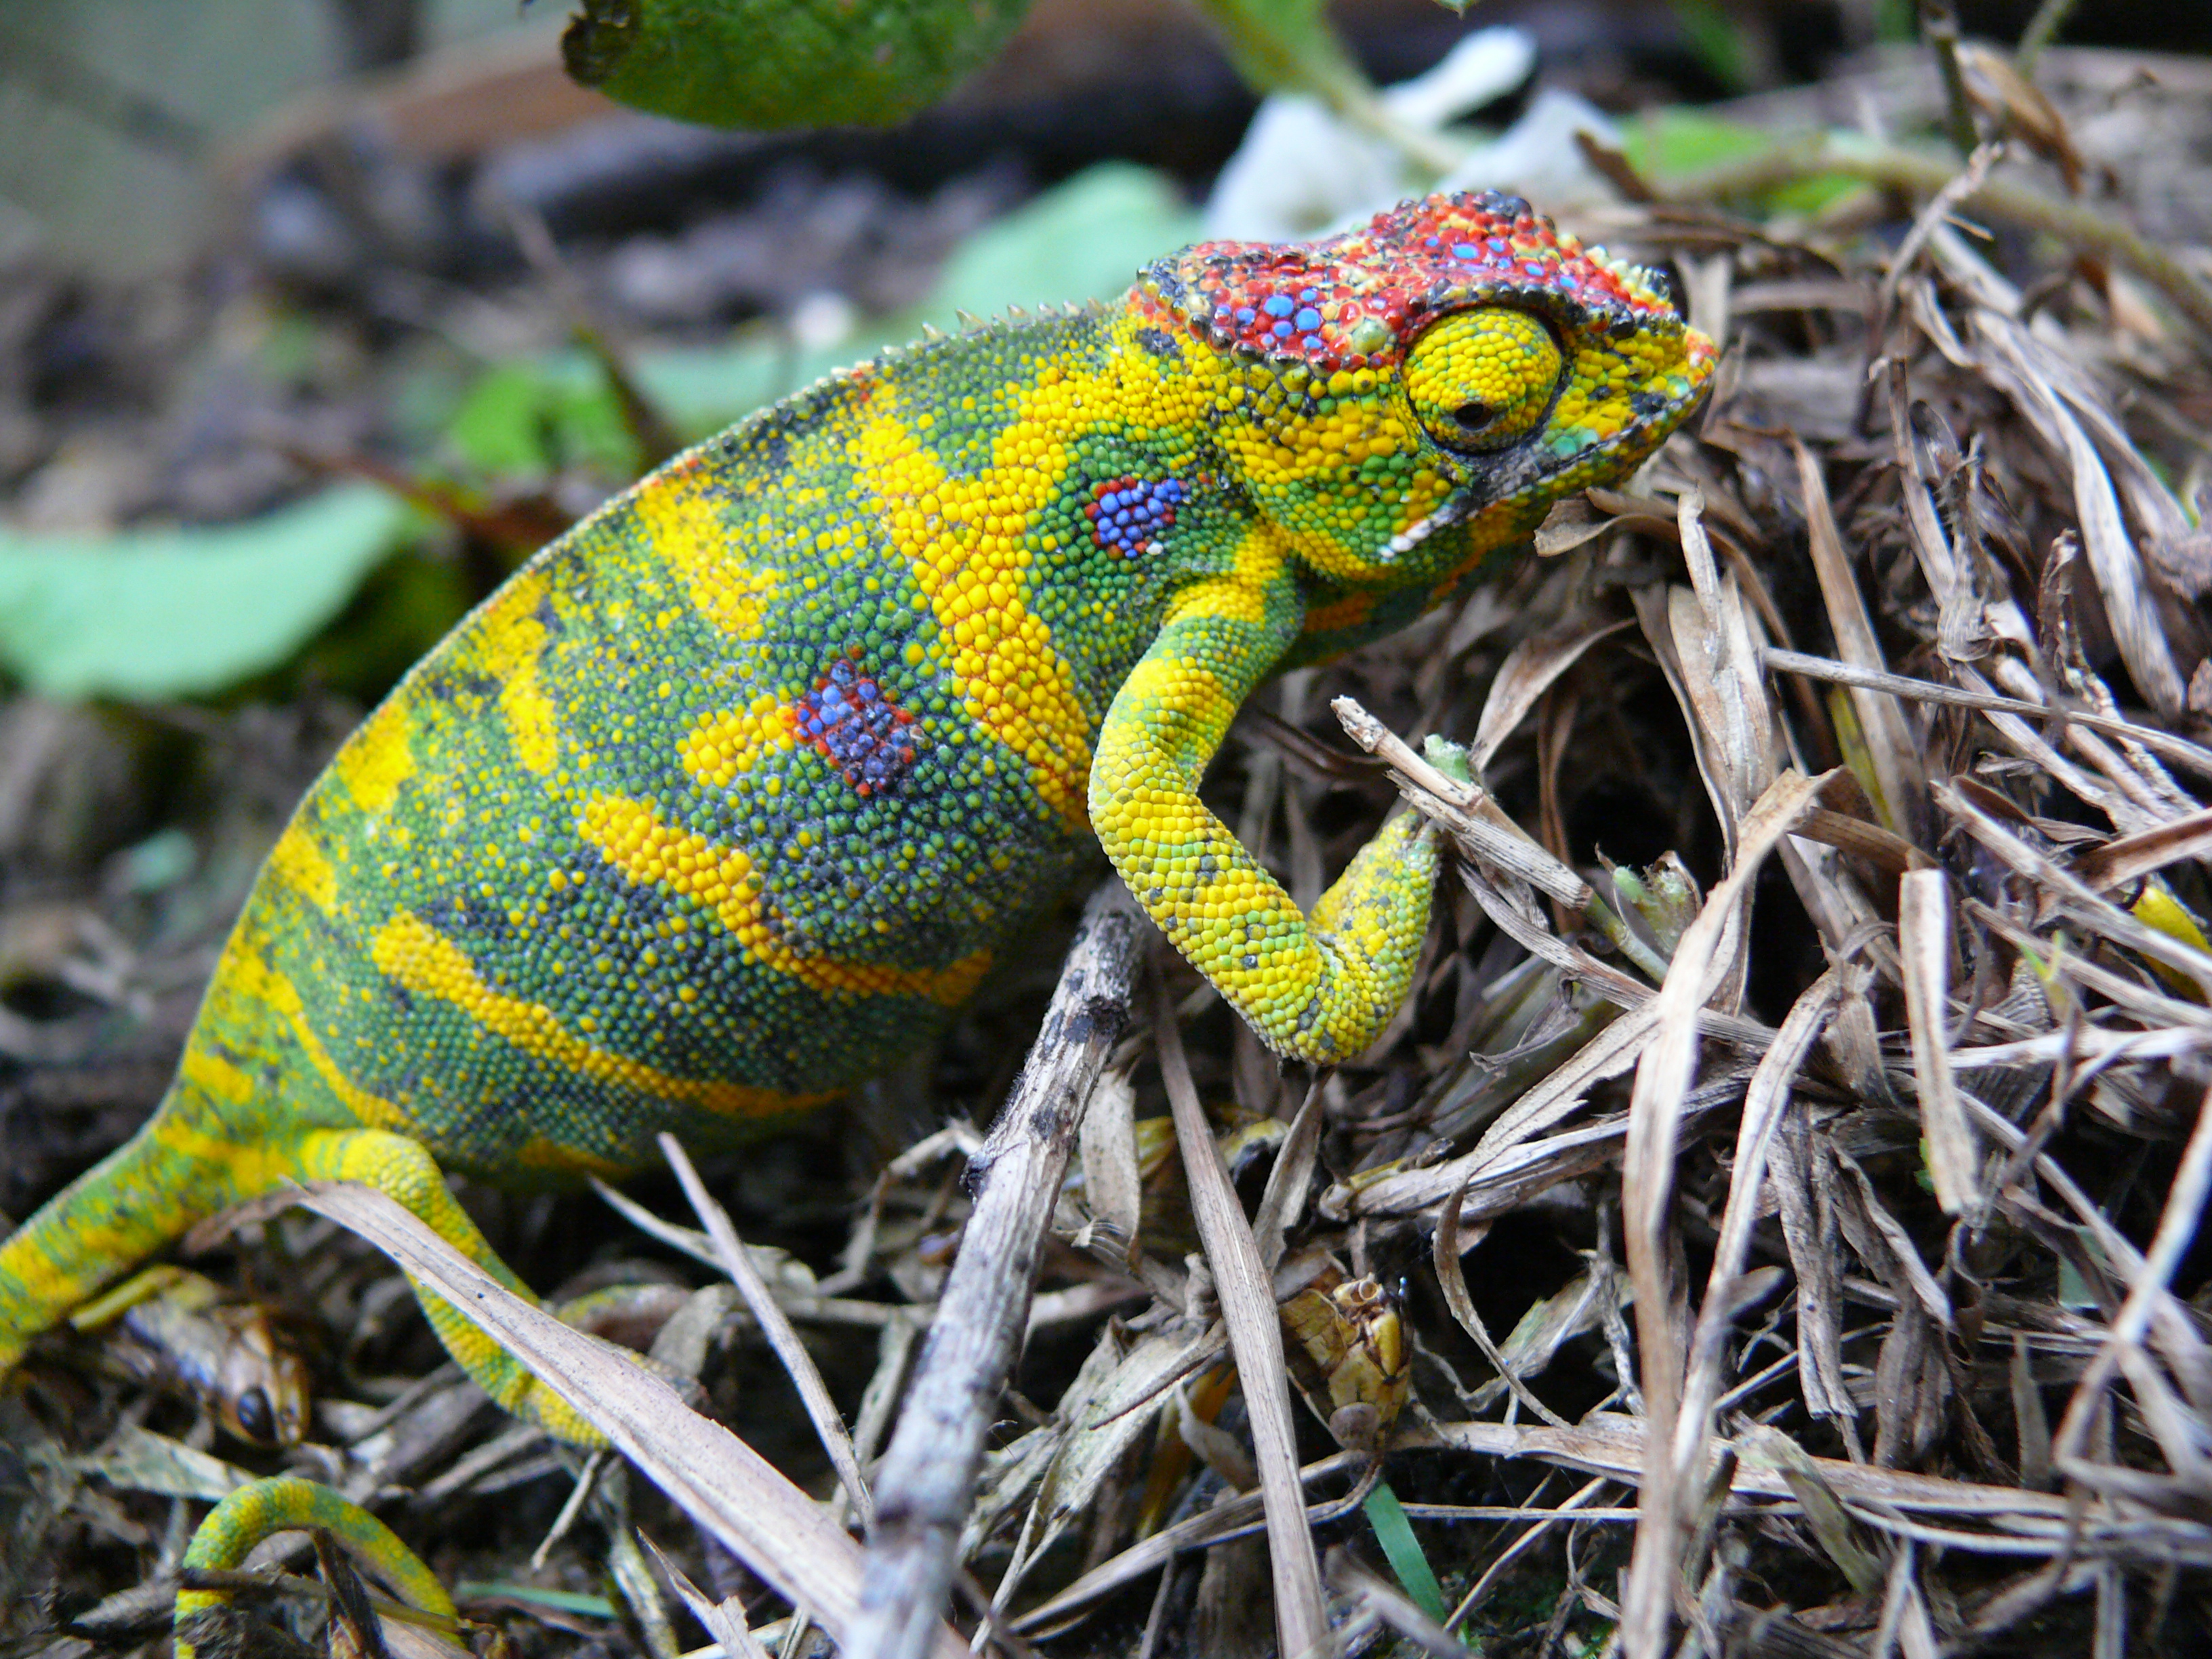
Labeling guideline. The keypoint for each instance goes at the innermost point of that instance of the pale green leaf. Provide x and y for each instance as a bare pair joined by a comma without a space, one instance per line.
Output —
1084,239
150,614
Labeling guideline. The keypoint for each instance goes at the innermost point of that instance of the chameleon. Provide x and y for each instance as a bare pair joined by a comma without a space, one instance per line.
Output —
727,797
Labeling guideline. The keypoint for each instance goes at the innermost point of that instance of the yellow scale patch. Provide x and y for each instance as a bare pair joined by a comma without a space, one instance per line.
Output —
543,1152
721,746
632,837
505,642
244,975
253,1166
1277,449
298,860
965,541
683,517
1241,595
414,954
376,760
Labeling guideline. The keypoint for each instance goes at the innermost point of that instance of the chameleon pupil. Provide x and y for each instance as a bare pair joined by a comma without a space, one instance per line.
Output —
1474,416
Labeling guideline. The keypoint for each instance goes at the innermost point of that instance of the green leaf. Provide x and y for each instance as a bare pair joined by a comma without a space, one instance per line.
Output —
1280,45
1675,140
155,614
1084,239
1394,1533
1672,141
784,62
489,1589
1717,39
532,418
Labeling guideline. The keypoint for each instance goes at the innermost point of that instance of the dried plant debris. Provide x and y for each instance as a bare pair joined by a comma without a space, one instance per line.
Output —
1770,1227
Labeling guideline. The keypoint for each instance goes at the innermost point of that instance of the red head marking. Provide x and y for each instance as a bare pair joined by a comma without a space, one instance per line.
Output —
1354,300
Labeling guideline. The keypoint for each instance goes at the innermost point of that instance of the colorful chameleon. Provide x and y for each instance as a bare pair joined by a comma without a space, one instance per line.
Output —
724,801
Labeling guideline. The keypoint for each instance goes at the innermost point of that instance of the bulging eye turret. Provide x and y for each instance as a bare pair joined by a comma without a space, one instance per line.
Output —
1480,379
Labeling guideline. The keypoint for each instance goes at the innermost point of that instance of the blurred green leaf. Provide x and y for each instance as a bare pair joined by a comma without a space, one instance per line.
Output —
1717,38
402,609
1673,142
155,614
529,419
1282,45
784,62
595,1606
1084,239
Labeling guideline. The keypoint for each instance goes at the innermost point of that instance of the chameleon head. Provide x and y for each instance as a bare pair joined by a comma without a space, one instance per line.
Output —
1406,397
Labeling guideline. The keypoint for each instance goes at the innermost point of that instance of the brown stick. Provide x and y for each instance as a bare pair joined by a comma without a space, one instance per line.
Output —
928,1477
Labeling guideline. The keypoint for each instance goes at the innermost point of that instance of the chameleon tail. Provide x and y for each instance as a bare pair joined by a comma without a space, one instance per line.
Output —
143,1196
255,1512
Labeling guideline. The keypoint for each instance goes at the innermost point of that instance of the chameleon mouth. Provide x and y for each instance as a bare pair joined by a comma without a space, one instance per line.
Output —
1458,506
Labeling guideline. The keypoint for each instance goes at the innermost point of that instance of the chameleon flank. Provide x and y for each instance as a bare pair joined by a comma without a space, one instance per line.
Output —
721,802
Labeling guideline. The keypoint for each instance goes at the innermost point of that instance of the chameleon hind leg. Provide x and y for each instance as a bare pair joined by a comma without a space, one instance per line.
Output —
286,1503
1319,989
403,1170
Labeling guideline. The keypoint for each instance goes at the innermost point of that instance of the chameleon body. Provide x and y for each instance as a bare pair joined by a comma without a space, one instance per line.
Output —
722,801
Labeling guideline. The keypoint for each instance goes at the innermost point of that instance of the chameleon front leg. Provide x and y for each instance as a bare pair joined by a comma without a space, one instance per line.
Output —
403,1170
287,1503
1319,989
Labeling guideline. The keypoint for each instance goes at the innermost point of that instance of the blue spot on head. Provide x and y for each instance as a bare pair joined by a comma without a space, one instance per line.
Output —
1308,295
1278,305
1281,330
1466,251
1246,314
1308,320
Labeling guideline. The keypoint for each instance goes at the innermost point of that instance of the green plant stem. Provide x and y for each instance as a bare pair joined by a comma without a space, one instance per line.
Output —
2080,226
1940,23
2042,29
1279,47
1601,916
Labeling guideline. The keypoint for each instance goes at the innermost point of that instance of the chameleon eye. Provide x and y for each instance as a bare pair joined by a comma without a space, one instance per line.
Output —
257,1418
1479,380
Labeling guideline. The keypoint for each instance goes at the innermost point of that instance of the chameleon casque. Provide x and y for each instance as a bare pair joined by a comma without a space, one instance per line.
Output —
722,801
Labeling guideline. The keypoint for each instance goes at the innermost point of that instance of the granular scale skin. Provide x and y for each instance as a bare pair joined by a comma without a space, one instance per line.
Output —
721,803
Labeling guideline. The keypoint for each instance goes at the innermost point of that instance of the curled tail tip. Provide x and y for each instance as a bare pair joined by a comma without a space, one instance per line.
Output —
285,1503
